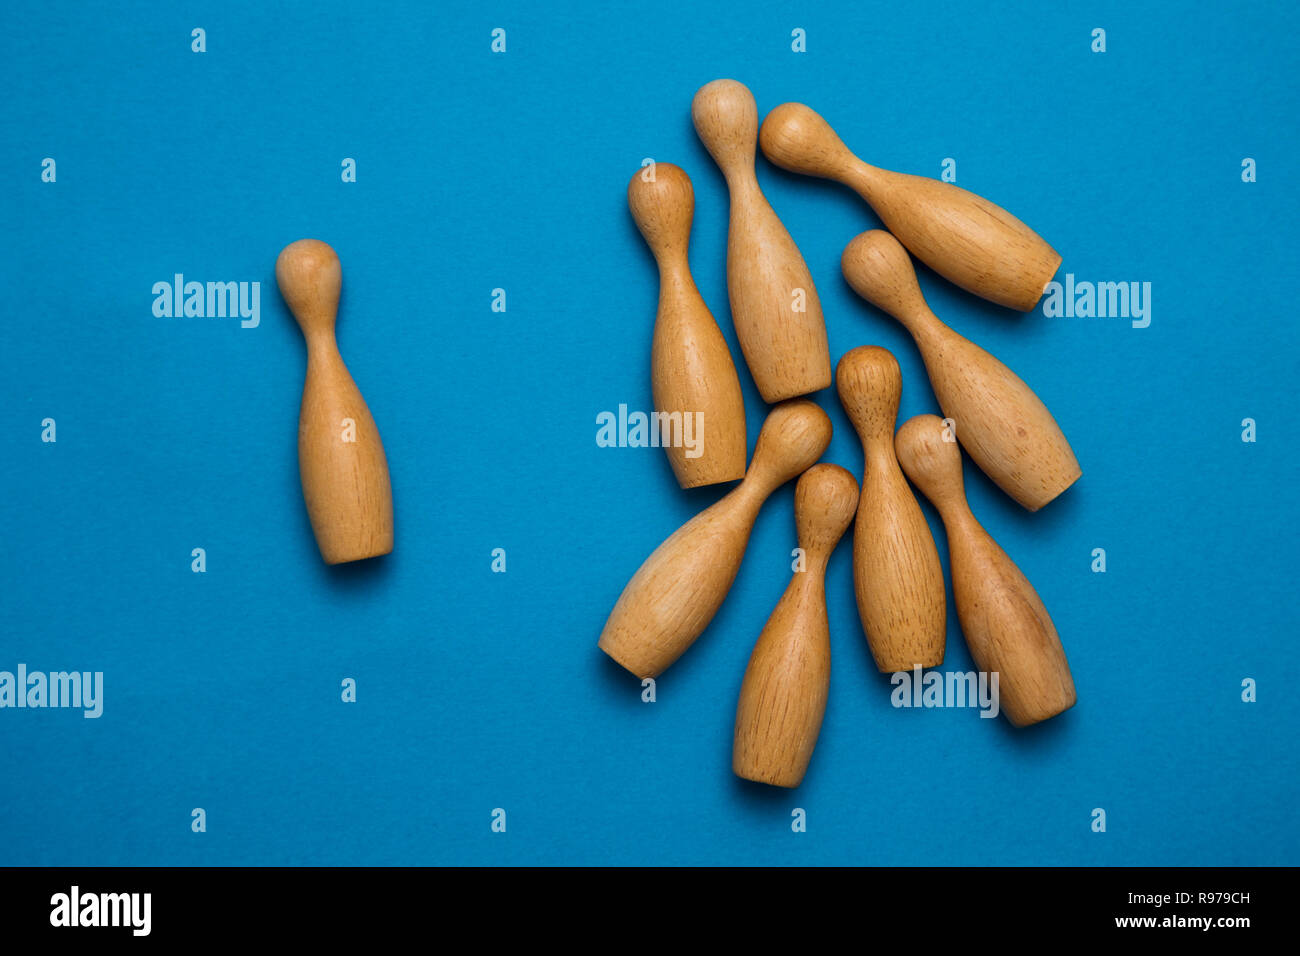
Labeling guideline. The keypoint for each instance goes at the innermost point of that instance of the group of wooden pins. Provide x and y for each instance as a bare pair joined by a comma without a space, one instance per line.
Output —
897,576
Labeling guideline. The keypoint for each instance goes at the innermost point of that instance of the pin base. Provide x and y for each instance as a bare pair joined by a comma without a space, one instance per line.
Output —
785,781
347,557
635,668
1027,304
704,481
1037,503
1028,720
897,665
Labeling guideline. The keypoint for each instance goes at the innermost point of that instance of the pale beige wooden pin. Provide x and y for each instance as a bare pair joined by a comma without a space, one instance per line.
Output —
783,695
774,303
675,593
963,237
1001,423
340,456
896,570
1007,628
696,389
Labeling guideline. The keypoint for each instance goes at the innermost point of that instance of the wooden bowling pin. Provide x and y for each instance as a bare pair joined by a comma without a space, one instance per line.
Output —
679,588
896,570
966,239
1000,422
774,303
340,457
783,697
1007,628
691,372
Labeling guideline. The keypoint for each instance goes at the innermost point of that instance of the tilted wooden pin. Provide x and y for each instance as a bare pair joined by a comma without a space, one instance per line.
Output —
673,596
783,695
1007,628
774,304
694,381
1001,423
963,237
340,456
896,570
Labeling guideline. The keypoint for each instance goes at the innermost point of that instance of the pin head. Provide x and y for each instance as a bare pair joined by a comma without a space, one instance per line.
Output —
825,501
663,208
870,384
798,139
793,437
932,459
880,270
310,279
726,119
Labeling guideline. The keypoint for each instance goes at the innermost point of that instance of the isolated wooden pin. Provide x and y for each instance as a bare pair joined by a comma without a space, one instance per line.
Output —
673,596
963,237
340,456
696,389
783,695
774,303
896,570
1001,423
1007,628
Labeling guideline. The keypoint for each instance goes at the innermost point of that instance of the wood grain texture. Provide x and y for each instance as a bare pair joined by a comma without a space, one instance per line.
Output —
673,596
1000,422
783,695
344,482
896,572
691,371
963,237
1006,625
786,350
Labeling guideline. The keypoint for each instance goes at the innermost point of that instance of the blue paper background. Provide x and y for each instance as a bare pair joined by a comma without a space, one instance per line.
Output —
481,690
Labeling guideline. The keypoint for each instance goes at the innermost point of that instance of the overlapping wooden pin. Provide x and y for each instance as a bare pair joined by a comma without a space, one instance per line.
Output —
963,237
691,372
340,456
1001,423
1005,623
774,303
673,596
896,572
783,695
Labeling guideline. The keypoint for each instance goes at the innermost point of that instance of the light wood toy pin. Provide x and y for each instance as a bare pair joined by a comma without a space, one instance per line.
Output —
673,596
691,371
774,303
1007,628
896,570
1002,424
340,456
966,239
783,695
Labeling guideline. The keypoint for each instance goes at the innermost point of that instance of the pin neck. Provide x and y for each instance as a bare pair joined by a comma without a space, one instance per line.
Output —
921,323
674,268
742,179
877,444
957,517
321,345
755,488
816,558
863,177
